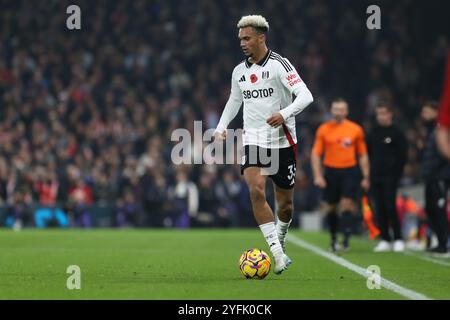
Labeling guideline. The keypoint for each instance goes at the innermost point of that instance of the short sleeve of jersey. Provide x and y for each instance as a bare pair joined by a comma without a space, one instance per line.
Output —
289,77
318,147
361,146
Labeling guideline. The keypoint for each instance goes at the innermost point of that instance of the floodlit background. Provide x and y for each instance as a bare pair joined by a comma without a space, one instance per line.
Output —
86,115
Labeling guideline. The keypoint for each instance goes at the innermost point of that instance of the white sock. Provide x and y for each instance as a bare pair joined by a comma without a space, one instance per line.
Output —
270,233
282,229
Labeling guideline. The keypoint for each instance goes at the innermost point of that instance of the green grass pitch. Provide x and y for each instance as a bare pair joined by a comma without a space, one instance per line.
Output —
197,264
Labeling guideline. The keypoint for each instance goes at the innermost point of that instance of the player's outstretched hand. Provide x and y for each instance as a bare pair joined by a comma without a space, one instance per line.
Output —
220,136
275,120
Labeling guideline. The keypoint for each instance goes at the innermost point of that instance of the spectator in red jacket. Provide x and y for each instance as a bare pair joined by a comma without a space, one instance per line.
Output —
47,190
80,199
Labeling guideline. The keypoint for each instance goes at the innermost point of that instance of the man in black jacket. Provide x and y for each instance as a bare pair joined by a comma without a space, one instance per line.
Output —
436,173
388,149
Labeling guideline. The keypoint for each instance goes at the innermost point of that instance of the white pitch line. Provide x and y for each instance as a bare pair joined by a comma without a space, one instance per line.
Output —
429,259
410,294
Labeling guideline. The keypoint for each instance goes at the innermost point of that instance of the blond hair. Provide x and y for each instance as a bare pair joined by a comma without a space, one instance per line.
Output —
256,21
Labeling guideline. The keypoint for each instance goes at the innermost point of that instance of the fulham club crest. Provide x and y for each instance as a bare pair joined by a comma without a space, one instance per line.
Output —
265,75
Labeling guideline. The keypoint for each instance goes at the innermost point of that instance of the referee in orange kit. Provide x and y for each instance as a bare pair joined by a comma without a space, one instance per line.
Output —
341,143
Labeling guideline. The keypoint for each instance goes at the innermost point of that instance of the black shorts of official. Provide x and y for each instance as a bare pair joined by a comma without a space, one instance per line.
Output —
341,183
284,177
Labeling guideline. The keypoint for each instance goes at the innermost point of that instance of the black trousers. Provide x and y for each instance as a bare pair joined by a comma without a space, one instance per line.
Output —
384,193
436,208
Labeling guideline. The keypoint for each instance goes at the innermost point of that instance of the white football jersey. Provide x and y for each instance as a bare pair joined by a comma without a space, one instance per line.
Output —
265,88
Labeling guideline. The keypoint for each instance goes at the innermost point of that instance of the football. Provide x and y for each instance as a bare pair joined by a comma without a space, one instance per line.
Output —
254,264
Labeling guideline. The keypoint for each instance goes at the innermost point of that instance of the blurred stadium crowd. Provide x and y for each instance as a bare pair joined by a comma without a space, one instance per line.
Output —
86,116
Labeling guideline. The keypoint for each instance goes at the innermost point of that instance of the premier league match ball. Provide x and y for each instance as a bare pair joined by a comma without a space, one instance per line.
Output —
254,264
